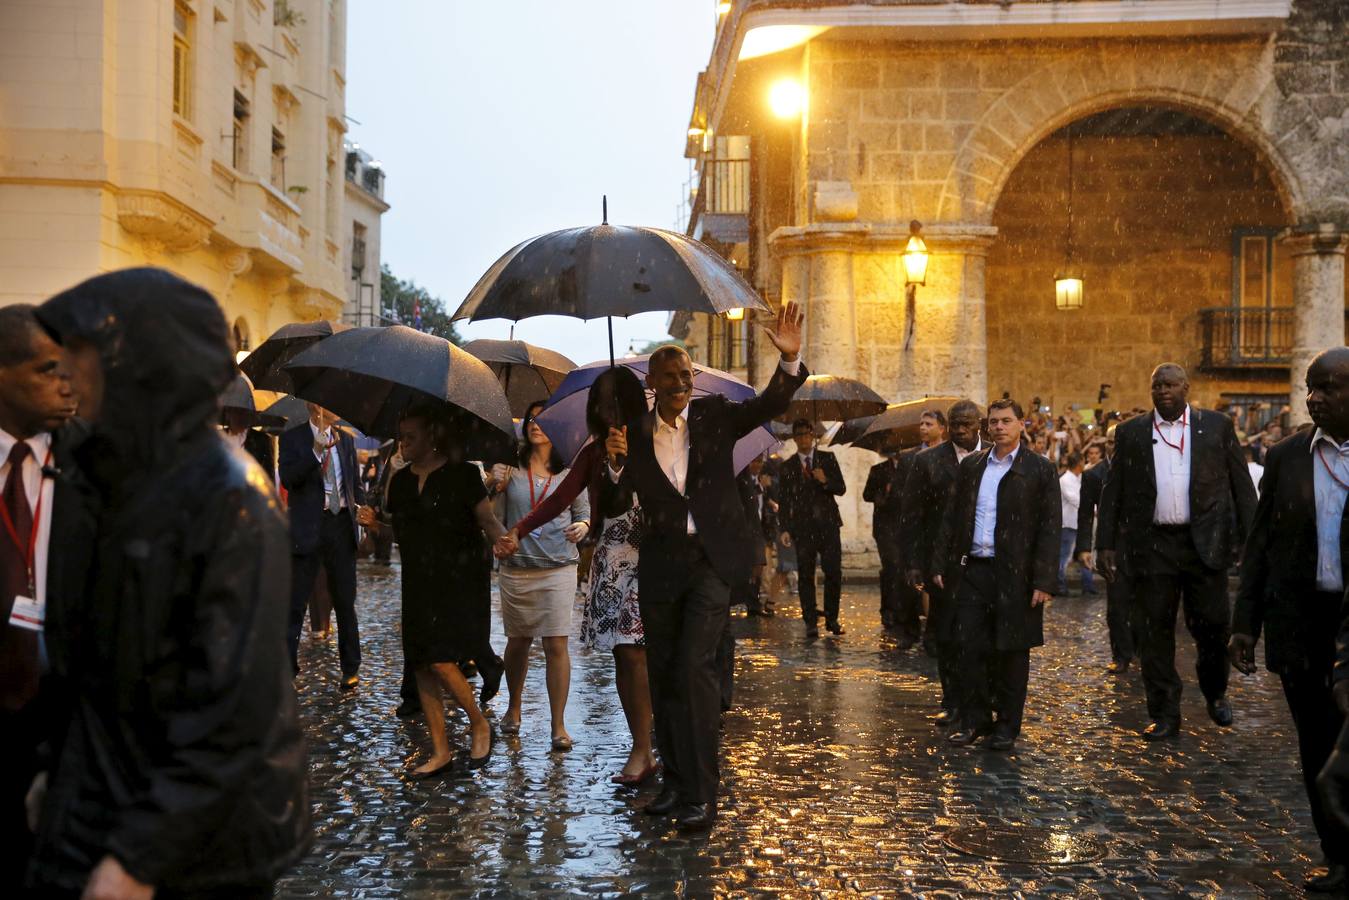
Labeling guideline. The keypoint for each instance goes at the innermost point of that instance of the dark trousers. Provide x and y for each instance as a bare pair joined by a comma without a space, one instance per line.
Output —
684,606
825,545
23,731
1318,723
1171,577
726,663
337,554
987,680
901,605
1120,619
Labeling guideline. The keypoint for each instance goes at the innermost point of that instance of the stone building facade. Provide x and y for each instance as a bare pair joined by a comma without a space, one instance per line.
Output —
1201,145
204,136
365,208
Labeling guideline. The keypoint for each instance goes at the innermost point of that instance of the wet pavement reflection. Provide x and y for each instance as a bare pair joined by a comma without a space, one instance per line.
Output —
834,780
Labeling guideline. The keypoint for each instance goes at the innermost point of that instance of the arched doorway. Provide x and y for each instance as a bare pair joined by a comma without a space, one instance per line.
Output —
1174,230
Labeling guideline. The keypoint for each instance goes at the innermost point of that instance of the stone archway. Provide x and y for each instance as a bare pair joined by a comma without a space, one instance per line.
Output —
1236,92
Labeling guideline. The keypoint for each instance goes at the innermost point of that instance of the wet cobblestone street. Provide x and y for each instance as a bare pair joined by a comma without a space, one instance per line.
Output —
834,780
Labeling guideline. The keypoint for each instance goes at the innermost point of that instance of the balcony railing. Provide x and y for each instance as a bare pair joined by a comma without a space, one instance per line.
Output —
725,186
1257,338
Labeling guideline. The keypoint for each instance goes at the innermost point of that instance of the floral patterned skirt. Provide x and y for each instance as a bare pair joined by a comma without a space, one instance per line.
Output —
611,616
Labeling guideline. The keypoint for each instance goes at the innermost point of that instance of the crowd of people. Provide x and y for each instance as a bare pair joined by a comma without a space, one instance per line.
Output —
148,659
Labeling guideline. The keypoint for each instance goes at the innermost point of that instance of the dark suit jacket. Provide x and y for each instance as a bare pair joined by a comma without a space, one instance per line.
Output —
302,477
808,507
715,424
751,494
1093,483
1025,541
885,488
1278,570
1222,498
927,494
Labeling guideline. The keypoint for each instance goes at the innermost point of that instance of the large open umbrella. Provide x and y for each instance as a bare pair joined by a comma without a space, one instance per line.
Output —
897,427
369,376
564,420
607,270
833,398
266,365
851,430
237,399
527,373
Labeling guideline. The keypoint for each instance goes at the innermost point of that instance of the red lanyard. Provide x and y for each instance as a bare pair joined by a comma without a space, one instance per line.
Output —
30,552
1184,420
534,504
1320,453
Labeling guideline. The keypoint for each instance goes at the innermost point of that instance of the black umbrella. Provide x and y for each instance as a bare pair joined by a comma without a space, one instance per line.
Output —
265,365
368,376
605,271
833,398
290,410
851,430
527,373
238,398
897,427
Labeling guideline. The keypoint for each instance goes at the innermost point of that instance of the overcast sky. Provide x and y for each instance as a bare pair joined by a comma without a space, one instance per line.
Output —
497,121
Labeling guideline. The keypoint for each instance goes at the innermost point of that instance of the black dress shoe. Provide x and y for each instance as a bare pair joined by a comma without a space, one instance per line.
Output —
408,708
349,682
696,816
812,630
1332,882
1000,742
473,763
1160,731
1118,667
834,626
964,736
1220,711
491,684
664,804
944,718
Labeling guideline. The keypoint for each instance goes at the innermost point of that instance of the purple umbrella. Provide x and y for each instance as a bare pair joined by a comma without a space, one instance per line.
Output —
564,421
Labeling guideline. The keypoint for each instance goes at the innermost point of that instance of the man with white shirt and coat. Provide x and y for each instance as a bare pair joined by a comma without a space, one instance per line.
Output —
319,470
809,484
1293,581
1177,491
35,401
997,553
678,460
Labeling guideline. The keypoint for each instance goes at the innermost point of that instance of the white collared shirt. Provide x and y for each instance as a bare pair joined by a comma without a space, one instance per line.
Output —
986,504
1327,458
671,446
962,453
335,458
35,487
1172,468
1070,497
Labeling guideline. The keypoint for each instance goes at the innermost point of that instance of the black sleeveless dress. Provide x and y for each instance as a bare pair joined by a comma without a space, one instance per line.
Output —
447,573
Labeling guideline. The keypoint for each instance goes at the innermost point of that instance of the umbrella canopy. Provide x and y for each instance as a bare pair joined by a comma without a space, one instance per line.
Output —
369,376
266,365
564,421
607,270
527,373
237,401
897,427
290,410
851,430
833,398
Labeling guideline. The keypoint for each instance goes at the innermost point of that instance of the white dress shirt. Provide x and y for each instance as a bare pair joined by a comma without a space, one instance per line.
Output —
670,443
1256,471
1172,467
1327,458
1070,492
961,453
334,460
35,486
986,505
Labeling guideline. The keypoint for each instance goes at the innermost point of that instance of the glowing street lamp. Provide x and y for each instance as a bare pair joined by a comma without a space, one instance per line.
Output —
786,98
915,256
735,314
723,7
1068,291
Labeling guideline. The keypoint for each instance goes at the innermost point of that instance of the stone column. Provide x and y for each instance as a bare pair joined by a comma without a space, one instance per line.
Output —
1318,306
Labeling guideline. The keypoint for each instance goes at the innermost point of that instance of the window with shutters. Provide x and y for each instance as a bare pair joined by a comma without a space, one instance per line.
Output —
182,61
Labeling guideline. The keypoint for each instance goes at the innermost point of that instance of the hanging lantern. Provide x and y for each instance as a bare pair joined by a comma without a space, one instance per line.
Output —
915,256
1068,291
735,313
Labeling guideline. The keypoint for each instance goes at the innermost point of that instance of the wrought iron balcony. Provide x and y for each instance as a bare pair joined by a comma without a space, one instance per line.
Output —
1247,340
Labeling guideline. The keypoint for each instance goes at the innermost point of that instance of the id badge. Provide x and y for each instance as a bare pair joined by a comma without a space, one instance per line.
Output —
28,614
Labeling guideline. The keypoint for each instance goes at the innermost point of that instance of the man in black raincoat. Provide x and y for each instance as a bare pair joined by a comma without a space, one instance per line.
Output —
181,768
998,553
